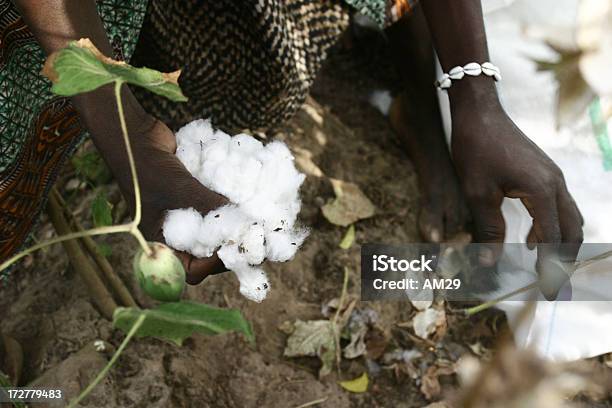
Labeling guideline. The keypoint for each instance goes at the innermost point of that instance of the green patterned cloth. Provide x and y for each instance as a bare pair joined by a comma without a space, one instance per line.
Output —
23,91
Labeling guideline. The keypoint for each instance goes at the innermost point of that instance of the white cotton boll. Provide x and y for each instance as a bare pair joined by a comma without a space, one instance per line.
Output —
190,157
281,246
202,251
181,228
232,258
214,157
254,284
246,145
253,245
194,132
237,178
262,185
222,225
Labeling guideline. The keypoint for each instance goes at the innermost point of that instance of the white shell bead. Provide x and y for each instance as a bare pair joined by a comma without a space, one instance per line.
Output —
444,82
456,73
473,69
489,69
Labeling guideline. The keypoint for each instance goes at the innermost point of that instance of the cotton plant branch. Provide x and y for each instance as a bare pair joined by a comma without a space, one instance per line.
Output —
491,303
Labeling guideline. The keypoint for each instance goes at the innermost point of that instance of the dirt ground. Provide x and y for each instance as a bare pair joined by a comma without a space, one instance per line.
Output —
45,305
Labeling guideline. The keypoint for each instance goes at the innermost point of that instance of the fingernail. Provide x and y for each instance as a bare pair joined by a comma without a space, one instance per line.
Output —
485,257
435,235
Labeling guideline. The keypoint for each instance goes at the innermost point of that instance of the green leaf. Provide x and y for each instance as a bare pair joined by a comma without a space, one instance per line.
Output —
349,238
101,211
91,166
105,249
80,67
349,206
358,385
179,320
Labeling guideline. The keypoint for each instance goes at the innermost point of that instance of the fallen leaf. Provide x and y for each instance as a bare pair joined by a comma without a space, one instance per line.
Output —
404,361
349,238
313,338
429,321
358,331
376,343
421,304
430,383
357,385
349,206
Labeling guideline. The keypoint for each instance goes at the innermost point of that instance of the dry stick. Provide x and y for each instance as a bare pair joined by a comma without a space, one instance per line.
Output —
81,263
312,403
335,320
117,285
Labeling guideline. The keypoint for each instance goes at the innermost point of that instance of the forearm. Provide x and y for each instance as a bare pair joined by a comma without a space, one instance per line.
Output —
56,22
457,28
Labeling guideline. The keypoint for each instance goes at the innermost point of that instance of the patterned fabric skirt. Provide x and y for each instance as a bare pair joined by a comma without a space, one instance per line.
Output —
247,64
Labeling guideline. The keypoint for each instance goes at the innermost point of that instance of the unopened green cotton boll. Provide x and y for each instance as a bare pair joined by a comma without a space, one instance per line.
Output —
161,275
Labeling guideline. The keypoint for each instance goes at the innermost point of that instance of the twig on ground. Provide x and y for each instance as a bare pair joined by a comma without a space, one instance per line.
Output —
314,402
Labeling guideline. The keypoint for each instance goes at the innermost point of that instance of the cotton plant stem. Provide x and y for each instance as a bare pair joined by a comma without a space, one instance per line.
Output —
68,237
476,309
110,364
491,303
128,146
116,284
81,263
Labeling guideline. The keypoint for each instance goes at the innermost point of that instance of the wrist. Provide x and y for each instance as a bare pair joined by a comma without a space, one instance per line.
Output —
473,96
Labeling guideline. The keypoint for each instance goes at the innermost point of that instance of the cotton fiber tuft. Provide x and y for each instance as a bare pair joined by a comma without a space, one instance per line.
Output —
262,185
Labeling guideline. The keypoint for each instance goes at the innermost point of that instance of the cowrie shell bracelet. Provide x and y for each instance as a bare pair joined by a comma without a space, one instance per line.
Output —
471,69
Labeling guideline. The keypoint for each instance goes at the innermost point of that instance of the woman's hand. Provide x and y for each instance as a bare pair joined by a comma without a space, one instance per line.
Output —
494,159
165,184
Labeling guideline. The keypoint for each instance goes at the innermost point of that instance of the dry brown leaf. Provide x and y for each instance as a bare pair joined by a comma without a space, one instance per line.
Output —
349,206
430,383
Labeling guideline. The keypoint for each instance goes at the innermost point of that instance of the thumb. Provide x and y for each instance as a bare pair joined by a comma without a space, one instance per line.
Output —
489,230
